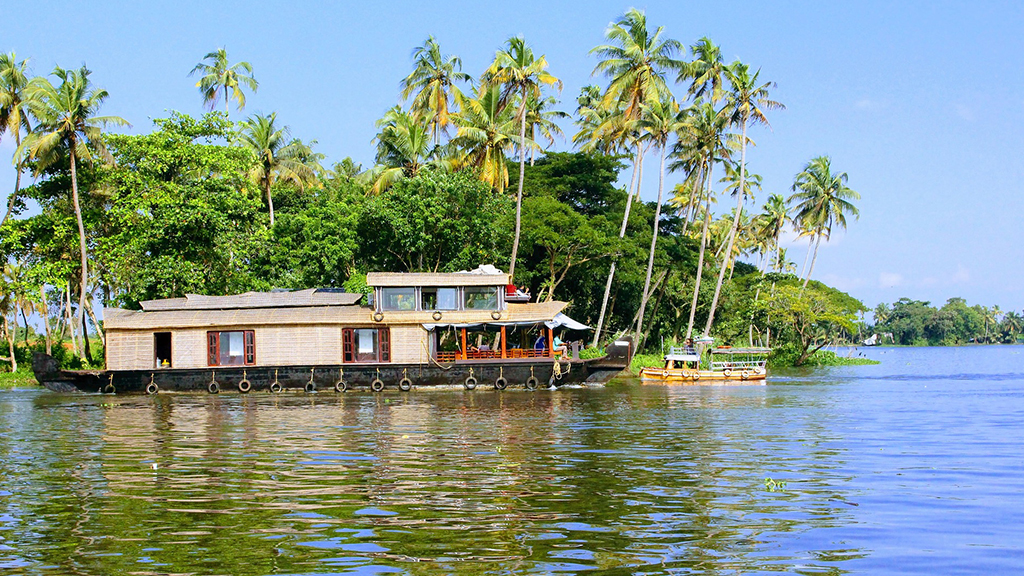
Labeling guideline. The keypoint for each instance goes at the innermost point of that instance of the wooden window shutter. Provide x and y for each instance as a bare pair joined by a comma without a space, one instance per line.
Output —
212,349
346,340
250,347
385,345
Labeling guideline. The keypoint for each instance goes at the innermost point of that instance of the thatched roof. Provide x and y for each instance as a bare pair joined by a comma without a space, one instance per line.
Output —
298,298
163,319
409,279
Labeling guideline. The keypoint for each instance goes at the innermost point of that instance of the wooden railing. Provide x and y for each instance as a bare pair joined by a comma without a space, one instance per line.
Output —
511,353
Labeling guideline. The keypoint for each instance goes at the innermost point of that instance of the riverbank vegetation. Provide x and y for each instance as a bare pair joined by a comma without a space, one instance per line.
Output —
464,173
914,323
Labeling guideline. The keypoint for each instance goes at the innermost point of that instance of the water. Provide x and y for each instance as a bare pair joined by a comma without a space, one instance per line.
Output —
911,467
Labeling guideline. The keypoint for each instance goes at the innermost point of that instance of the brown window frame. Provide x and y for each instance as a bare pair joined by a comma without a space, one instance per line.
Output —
348,354
213,347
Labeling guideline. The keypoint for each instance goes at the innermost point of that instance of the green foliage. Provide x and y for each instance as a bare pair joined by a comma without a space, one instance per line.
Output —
435,222
810,317
591,352
917,323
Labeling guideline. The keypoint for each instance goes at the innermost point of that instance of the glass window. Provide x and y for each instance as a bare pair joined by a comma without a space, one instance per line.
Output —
236,348
440,298
481,298
366,345
398,298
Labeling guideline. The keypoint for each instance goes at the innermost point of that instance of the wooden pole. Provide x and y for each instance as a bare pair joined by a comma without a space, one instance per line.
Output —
464,349
504,353
551,345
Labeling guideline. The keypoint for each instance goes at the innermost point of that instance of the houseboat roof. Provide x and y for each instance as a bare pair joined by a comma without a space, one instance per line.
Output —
411,279
161,318
298,298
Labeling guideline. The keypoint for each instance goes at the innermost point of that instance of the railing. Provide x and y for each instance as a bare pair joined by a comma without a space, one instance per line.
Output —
738,364
491,354
682,350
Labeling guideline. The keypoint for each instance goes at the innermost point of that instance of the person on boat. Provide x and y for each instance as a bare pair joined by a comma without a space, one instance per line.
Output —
541,343
559,346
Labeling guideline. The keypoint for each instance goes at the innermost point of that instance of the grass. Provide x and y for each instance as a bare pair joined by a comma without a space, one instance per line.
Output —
17,380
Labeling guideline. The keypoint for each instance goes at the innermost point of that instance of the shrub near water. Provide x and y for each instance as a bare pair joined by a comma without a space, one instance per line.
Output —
786,356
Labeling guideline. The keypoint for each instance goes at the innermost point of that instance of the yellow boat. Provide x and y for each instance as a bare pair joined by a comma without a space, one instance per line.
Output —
682,364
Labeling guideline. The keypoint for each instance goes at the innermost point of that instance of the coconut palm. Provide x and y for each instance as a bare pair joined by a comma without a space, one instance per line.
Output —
540,121
69,127
773,221
705,141
822,200
635,62
404,147
705,72
659,122
221,80
521,75
433,86
14,113
1012,325
278,158
487,131
746,102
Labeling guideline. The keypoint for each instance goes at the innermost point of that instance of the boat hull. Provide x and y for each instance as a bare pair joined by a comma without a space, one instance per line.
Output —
516,373
691,376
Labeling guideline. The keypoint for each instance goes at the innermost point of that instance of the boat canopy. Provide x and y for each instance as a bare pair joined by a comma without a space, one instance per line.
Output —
559,321
753,350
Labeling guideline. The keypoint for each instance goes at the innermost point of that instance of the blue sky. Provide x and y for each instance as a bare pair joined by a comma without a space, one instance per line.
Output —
922,103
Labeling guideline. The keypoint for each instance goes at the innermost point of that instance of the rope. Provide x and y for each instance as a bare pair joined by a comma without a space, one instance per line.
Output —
556,371
423,344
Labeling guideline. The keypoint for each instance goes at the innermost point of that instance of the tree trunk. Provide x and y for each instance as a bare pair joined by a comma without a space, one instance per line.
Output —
817,243
46,320
70,320
86,347
519,194
654,244
735,229
270,202
10,345
810,240
17,181
622,234
703,245
81,243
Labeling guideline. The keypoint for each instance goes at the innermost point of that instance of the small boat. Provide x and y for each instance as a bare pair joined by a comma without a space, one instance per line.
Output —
683,364
411,330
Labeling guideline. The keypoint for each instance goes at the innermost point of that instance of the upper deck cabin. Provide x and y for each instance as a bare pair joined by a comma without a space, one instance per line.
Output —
414,318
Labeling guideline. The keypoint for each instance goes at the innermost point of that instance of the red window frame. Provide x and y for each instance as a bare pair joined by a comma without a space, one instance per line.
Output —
213,347
348,355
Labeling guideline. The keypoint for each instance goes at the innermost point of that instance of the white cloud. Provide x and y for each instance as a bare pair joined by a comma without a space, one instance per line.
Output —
890,280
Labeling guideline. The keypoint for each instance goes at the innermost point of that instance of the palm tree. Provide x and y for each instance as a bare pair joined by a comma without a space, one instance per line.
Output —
487,131
1013,323
222,80
705,71
404,147
68,124
520,75
14,113
278,158
705,140
433,81
773,221
747,101
635,62
659,122
822,200
540,121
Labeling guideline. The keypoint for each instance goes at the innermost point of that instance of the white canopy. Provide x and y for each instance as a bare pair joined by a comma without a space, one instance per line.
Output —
560,320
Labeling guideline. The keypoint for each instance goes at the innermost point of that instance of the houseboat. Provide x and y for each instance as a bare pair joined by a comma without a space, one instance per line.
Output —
684,364
412,329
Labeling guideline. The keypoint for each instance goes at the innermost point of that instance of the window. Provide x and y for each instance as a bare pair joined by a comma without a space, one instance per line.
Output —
439,298
366,345
162,347
397,298
236,348
481,298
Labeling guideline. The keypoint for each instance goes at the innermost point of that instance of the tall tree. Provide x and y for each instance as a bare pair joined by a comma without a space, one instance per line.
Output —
659,122
521,75
487,132
636,61
705,72
746,101
68,125
772,222
404,147
540,121
822,200
278,158
433,86
222,80
14,113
